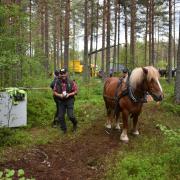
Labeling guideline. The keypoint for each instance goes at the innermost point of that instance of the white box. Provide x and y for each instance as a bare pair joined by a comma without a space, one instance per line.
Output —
12,115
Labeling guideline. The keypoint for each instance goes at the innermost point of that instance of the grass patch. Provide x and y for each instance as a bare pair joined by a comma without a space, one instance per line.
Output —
168,103
149,159
9,137
41,108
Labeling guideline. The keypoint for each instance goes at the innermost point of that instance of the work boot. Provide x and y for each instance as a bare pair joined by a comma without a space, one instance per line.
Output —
74,128
64,131
54,124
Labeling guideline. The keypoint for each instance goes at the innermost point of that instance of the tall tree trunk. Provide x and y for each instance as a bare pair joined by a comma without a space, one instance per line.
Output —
170,43
58,22
177,82
174,34
46,27
97,29
152,16
58,42
103,35
85,70
150,32
145,38
126,35
133,36
66,34
30,29
74,38
54,42
115,35
108,42
92,28
30,35
118,46
158,44
19,49
61,34
42,9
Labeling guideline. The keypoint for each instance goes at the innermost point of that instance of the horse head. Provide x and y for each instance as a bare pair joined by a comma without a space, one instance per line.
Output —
144,80
151,83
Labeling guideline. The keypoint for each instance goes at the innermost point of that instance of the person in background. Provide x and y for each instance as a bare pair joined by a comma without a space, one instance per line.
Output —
124,76
125,73
65,90
111,72
56,76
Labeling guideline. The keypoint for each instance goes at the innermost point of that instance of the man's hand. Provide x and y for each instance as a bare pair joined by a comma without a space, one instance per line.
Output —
70,94
61,96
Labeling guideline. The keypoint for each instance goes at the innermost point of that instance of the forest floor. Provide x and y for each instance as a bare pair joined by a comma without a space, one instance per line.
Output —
83,156
78,158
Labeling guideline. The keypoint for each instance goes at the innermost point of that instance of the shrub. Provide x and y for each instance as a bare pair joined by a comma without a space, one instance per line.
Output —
16,136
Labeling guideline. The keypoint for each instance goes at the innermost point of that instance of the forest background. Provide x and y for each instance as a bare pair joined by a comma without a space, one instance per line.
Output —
37,37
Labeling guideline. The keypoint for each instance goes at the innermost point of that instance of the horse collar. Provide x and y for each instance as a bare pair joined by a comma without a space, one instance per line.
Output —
131,94
135,98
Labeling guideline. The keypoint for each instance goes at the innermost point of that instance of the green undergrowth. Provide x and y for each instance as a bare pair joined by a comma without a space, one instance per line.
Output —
169,102
150,158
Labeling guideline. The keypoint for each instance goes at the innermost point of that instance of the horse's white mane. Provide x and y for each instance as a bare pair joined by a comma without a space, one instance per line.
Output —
137,75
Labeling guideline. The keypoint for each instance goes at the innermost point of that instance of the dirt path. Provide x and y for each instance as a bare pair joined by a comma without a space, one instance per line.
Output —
79,157
76,159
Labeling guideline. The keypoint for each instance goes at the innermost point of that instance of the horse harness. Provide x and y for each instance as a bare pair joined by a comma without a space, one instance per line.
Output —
126,92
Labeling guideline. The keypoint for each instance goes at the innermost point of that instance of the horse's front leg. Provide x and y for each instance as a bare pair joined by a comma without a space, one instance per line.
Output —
124,136
109,119
135,120
109,123
117,125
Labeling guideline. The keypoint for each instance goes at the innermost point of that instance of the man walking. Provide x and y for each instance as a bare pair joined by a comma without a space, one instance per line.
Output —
65,90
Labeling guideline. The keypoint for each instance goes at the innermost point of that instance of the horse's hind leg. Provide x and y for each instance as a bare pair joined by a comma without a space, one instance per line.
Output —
135,120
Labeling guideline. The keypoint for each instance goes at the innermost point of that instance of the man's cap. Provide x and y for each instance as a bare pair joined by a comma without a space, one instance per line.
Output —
125,70
63,71
56,72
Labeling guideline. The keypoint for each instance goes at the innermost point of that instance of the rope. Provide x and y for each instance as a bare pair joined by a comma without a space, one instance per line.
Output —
28,88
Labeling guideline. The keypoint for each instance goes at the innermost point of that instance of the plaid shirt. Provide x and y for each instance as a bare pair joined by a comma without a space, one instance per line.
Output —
63,86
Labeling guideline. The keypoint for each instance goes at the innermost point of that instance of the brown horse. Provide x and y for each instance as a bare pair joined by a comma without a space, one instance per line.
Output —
128,95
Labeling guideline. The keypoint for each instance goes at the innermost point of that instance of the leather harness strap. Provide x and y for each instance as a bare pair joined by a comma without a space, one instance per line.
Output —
127,92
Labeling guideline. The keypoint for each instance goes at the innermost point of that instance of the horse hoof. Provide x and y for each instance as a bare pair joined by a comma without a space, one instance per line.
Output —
136,133
108,126
125,139
118,128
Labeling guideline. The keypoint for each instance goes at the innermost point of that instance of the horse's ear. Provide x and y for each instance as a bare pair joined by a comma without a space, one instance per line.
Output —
145,70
